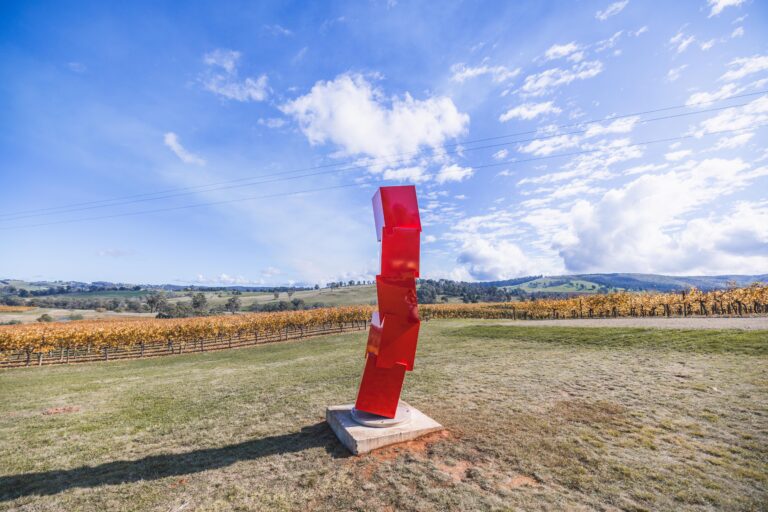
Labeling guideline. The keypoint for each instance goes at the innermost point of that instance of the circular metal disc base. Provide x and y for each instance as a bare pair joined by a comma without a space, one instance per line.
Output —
403,415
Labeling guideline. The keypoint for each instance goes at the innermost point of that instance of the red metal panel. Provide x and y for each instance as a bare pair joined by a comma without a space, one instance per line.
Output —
400,252
380,388
391,347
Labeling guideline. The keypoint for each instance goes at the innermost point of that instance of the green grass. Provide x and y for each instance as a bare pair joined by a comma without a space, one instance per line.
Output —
540,418
698,340
346,296
545,284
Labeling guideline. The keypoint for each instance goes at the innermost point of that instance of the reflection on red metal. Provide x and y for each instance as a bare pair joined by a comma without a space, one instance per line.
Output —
391,347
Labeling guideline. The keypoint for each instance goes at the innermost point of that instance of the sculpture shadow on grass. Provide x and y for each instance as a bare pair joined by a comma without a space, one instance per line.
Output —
155,467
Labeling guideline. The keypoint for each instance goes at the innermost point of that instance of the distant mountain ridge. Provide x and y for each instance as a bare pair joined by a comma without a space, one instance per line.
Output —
630,281
570,283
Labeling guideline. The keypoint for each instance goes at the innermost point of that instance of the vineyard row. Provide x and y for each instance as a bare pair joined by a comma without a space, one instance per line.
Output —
39,343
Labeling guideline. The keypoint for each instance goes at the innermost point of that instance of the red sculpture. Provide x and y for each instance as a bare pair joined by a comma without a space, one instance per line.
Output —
391,347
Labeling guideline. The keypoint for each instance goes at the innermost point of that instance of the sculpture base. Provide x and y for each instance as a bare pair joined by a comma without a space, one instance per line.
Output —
360,439
367,419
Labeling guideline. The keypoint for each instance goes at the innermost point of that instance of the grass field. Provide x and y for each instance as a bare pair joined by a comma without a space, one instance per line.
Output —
63,315
349,295
538,418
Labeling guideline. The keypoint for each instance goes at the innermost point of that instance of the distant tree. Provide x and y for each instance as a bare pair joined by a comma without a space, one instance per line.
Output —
156,301
290,293
199,302
277,295
45,317
317,287
233,305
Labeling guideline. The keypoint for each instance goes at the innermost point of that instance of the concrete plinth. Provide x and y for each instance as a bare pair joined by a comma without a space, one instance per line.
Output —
361,439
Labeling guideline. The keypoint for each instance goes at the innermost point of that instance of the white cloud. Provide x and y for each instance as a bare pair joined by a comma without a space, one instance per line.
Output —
221,78
642,30
681,42
481,259
745,66
413,174
501,154
172,141
623,125
349,112
540,83
429,239
272,122
674,156
547,146
645,169
278,30
462,72
706,45
732,142
558,51
646,225
737,32
453,172
528,111
674,73
725,91
607,44
719,5
749,116
611,10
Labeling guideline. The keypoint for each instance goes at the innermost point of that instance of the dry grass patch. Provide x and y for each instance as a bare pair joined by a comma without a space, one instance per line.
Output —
537,419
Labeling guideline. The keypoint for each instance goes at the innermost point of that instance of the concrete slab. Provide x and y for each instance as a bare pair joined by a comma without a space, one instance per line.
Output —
360,439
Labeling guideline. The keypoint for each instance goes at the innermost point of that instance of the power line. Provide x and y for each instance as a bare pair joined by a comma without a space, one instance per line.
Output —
496,164
280,177
124,199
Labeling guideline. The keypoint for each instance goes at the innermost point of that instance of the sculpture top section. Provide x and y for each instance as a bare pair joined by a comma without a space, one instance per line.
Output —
396,207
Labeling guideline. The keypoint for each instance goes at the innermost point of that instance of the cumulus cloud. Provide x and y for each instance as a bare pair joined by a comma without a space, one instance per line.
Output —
719,5
646,225
221,78
612,10
528,111
481,259
745,66
462,72
172,141
453,172
352,114
540,83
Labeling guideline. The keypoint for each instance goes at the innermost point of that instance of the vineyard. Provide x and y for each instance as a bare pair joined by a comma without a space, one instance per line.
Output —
55,343
14,309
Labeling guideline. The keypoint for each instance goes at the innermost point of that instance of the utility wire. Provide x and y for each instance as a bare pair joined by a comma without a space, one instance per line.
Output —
281,177
496,164
122,200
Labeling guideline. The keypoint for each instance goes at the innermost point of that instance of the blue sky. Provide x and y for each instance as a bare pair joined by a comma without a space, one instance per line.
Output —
217,103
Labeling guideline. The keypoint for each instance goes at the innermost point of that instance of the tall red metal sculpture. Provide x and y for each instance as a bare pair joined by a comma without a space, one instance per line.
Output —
391,346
